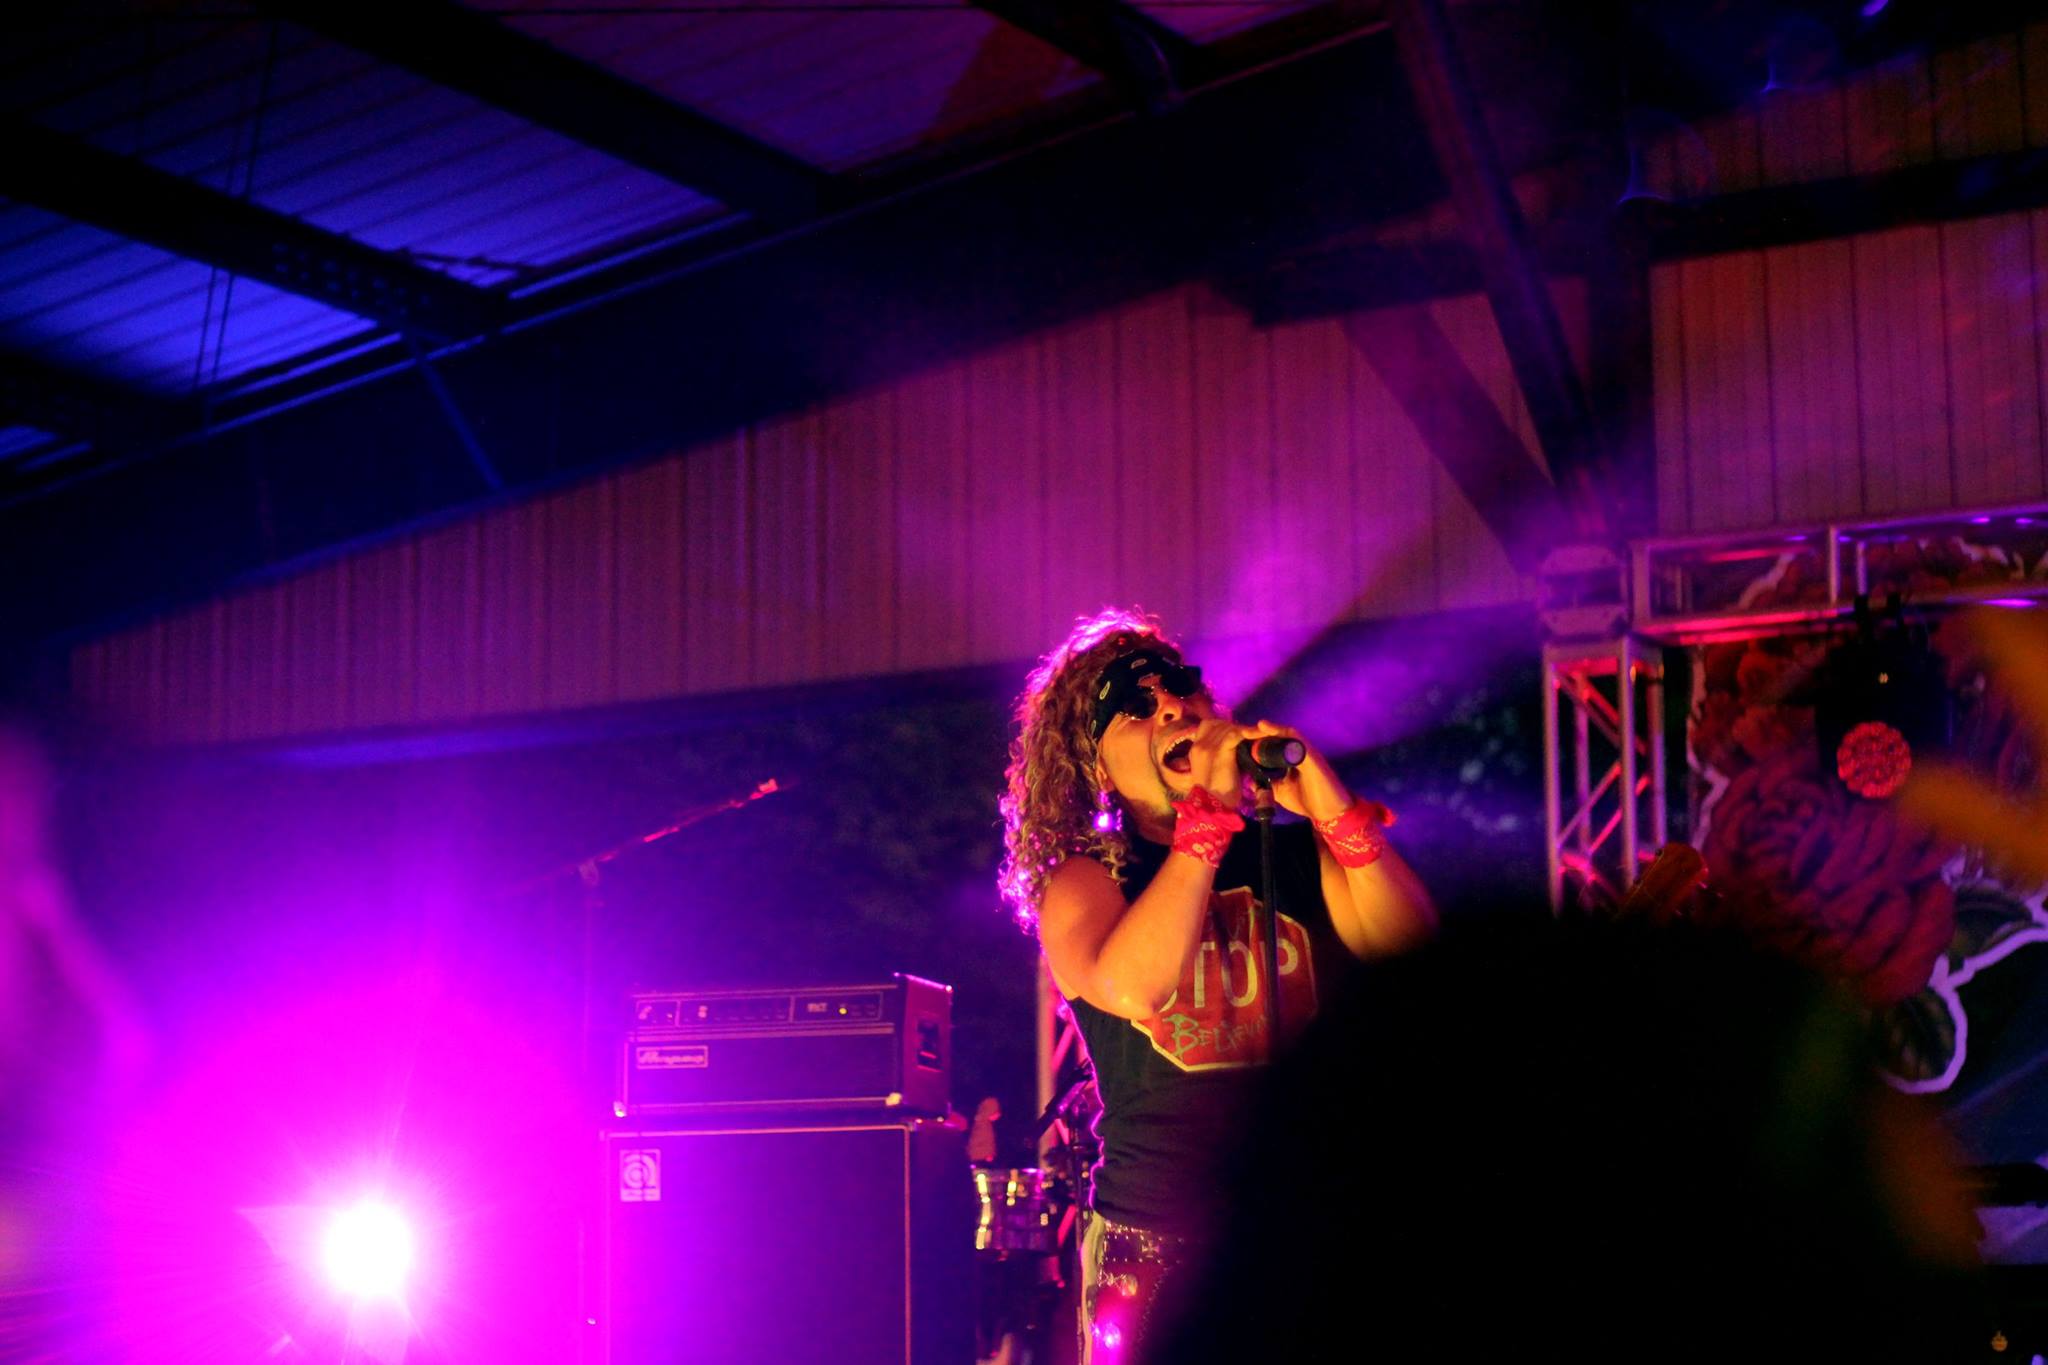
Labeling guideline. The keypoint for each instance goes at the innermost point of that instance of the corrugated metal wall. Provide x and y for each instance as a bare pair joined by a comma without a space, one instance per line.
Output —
1231,478
1892,372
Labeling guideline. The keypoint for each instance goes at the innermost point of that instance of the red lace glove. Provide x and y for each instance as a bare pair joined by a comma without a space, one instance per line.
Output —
1357,838
1202,826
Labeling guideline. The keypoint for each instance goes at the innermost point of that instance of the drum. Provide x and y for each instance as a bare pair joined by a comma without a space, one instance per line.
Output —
1018,1212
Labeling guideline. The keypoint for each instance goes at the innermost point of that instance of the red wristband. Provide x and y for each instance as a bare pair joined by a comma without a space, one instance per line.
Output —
1355,838
1202,826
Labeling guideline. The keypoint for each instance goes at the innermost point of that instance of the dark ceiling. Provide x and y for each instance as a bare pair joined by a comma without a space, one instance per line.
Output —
279,277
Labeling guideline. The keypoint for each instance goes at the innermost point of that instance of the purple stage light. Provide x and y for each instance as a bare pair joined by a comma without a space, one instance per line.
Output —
2011,602
367,1251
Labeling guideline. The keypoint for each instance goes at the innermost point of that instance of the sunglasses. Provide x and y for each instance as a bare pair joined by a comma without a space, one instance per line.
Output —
1120,691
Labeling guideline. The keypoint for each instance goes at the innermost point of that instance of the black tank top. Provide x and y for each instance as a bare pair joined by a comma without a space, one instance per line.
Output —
1176,1088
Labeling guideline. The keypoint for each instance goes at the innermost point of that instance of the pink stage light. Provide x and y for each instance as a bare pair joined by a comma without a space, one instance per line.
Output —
367,1251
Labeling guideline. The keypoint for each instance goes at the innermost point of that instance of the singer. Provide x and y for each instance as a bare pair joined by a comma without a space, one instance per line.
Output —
1127,846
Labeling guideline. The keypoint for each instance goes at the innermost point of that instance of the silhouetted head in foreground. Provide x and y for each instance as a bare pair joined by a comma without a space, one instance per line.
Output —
1587,1142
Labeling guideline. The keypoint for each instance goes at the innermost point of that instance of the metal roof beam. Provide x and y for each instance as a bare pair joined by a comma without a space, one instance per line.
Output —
1463,427
1149,60
1821,210
1509,267
1690,59
134,199
36,394
1330,281
478,56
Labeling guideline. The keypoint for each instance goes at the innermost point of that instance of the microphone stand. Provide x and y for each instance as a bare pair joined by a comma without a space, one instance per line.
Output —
1262,811
589,873
586,867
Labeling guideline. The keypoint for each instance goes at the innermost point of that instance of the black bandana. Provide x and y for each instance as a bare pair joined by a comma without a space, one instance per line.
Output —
1118,691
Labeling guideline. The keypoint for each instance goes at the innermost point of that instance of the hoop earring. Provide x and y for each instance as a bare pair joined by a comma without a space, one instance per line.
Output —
1109,816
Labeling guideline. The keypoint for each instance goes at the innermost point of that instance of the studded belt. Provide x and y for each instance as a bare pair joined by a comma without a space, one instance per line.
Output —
1123,1244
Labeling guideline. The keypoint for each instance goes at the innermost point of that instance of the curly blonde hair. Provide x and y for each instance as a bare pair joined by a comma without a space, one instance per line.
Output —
1050,798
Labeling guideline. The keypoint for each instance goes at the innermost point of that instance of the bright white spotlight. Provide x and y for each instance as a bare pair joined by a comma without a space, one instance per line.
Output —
367,1251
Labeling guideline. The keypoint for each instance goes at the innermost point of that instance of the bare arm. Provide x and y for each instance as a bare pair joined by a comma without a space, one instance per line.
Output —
1379,909
1126,958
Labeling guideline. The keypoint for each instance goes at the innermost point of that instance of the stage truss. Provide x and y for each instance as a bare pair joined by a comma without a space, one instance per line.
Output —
1612,623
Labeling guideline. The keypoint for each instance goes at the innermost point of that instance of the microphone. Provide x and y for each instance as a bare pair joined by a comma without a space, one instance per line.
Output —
1269,756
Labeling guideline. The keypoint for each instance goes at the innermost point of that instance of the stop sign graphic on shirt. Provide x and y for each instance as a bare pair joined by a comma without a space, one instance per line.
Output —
1217,1016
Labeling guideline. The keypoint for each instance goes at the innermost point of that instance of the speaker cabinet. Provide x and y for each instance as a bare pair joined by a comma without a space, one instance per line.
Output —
849,1243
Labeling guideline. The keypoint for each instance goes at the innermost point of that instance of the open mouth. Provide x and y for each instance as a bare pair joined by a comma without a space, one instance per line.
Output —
1175,759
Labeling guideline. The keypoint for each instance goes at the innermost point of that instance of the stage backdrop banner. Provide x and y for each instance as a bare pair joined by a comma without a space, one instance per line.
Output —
1915,925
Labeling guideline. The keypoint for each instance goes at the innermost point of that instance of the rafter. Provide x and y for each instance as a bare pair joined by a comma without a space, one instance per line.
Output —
1816,210
1509,268
134,199
80,408
1463,427
479,56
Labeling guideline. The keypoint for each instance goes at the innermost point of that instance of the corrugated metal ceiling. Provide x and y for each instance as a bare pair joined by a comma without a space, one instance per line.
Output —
266,111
